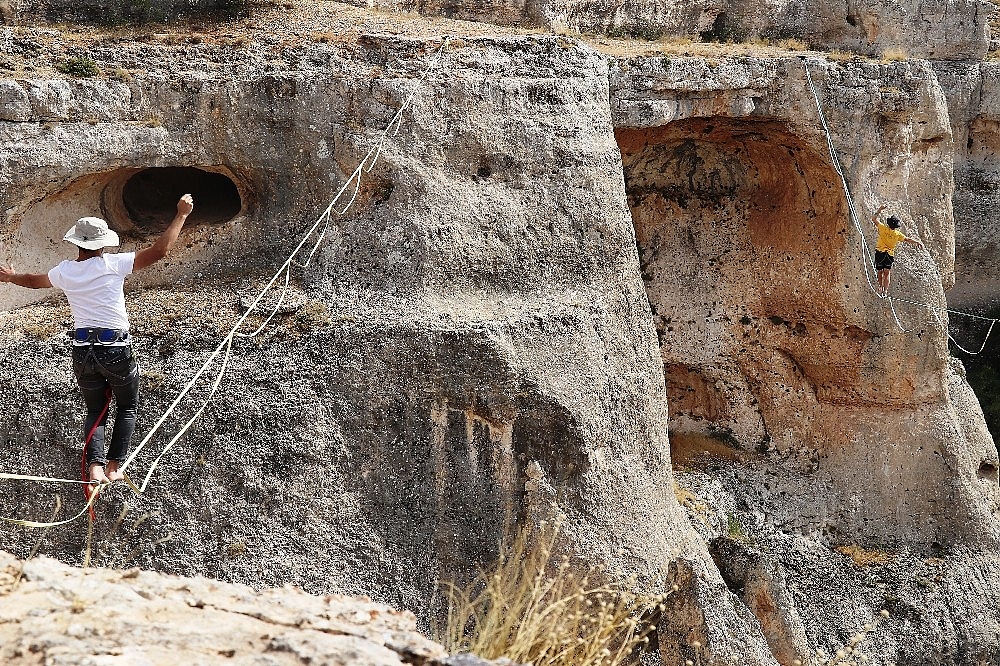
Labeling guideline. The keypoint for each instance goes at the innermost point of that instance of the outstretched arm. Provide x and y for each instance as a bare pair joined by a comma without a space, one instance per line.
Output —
913,241
165,242
29,280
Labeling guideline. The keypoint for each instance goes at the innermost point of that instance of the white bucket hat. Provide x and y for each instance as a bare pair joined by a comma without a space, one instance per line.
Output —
91,233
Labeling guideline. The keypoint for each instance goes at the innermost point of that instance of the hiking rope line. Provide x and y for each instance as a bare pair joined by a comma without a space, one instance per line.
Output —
322,225
869,260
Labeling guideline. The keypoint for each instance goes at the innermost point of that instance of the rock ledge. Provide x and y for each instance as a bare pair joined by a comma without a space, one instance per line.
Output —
61,615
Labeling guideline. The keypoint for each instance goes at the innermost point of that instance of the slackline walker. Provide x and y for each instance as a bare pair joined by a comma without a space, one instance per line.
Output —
222,354
868,259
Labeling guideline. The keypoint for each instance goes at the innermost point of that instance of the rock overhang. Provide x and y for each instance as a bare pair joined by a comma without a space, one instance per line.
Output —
684,126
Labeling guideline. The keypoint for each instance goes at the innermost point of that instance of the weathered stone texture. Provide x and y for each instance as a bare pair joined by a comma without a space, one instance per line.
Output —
482,310
55,614
111,12
939,29
839,428
549,252
973,93
727,175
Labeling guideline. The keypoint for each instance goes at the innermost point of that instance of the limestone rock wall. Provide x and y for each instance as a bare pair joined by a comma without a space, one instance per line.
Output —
555,247
479,313
800,413
941,29
113,12
972,90
736,182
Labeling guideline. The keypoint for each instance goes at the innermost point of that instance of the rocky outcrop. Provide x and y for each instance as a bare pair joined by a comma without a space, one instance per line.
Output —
943,29
55,614
726,175
116,12
479,311
556,246
801,415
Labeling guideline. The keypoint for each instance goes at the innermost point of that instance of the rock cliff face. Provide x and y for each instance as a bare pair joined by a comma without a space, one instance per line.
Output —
772,340
556,245
479,311
942,29
972,91
739,185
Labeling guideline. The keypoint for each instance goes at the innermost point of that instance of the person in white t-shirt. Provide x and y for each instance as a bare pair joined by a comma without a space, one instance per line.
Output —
103,360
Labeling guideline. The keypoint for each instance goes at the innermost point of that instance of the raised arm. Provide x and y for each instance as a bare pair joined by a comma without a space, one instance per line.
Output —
877,216
29,280
165,242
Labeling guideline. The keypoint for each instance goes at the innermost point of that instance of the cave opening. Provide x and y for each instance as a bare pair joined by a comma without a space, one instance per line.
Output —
741,237
989,472
149,197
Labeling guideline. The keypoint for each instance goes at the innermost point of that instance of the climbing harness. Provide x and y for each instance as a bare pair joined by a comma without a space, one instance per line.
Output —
223,352
869,260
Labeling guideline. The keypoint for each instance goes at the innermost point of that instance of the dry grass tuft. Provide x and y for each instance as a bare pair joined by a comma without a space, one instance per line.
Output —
692,502
864,558
312,316
530,610
894,54
841,56
793,45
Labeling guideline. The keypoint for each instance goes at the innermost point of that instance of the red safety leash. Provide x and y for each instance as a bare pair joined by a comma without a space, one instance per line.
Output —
84,472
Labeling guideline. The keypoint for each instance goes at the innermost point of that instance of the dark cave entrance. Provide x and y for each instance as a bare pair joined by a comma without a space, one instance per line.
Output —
149,197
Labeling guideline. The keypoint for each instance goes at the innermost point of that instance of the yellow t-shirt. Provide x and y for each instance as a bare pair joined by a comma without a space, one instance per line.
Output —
888,239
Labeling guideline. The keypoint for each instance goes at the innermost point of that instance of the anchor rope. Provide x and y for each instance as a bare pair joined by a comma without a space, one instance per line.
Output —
869,259
320,229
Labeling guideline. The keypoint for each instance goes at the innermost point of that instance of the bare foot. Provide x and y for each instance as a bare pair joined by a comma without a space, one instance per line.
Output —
112,471
97,474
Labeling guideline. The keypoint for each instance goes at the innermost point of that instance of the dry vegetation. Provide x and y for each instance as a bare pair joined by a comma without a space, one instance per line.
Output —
864,558
894,54
532,609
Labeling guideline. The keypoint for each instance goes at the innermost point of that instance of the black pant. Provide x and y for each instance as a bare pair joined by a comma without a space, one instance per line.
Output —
883,260
102,371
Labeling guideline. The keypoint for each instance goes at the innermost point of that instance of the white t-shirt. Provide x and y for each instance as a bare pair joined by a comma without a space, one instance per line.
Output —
94,289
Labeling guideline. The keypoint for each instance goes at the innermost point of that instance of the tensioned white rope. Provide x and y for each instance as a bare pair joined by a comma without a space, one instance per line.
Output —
225,347
869,260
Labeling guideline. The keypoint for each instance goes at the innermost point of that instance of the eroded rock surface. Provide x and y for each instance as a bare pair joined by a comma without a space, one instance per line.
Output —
940,29
769,331
972,90
792,384
479,310
56,614
556,245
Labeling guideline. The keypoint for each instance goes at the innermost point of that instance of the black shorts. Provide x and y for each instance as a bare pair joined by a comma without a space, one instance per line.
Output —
883,260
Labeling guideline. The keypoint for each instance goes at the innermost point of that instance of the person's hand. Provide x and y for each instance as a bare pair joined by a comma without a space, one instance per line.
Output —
7,273
185,205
